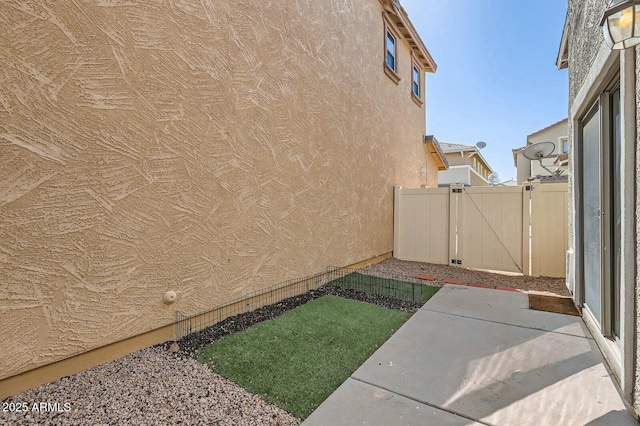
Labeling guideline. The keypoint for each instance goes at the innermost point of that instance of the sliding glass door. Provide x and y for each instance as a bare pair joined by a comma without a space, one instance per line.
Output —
592,212
600,154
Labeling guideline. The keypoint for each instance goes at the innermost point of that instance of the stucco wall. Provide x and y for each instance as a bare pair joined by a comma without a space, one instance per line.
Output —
455,174
585,34
456,159
432,172
552,134
476,179
212,148
523,168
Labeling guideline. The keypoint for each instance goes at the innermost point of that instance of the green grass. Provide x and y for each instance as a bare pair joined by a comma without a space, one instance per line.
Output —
386,287
428,291
298,359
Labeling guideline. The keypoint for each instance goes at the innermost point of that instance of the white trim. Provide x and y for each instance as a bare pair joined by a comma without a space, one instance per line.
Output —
621,359
388,51
562,139
627,187
611,354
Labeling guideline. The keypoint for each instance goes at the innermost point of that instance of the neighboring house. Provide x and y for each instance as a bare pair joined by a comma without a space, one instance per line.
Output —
603,261
436,160
210,148
555,133
510,182
466,166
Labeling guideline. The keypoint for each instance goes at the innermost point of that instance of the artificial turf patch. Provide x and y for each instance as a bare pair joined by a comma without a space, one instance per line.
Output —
298,359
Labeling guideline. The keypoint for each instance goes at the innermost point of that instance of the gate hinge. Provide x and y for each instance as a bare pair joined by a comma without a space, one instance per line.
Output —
528,188
456,262
456,190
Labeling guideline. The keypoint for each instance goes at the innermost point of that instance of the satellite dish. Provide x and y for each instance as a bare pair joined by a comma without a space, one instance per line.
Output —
541,150
481,145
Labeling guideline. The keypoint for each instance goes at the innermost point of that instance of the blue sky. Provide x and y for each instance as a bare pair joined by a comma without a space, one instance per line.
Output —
496,80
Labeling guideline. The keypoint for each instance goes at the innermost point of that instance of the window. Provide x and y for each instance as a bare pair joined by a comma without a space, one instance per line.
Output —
565,145
416,82
391,51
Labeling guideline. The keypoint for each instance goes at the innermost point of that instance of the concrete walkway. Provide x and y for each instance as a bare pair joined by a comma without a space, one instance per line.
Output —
478,356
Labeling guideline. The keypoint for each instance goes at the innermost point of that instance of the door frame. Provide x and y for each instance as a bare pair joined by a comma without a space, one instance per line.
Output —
621,356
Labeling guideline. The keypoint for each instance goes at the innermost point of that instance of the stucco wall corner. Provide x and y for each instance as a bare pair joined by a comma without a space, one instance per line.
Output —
585,35
571,191
636,395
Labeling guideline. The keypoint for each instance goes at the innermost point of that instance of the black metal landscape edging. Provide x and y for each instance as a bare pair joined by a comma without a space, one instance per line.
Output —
346,282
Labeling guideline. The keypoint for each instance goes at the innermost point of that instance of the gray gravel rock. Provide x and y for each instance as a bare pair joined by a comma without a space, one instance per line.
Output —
149,387
518,281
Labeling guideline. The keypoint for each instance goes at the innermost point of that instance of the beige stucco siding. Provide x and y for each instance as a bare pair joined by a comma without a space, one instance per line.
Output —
212,148
457,159
476,179
455,174
432,172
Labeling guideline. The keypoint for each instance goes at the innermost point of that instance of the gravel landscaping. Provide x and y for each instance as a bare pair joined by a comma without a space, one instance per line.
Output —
149,387
157,386
411,269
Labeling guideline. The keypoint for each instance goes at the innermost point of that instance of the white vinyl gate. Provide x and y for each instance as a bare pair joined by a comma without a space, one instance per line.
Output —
505,228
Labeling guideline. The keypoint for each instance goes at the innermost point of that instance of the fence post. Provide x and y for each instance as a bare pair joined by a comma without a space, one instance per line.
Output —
536,218
397,193
456,208
527,190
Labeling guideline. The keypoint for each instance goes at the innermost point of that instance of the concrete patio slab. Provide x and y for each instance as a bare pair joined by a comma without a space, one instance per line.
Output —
479,355
501,307
376,406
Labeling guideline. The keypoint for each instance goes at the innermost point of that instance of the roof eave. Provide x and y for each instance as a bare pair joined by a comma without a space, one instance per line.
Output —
562,60
403,24
432,146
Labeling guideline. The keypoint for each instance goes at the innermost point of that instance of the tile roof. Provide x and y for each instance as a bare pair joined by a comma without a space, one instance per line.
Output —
453,147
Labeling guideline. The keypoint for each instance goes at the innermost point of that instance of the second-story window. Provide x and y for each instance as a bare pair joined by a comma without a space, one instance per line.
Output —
416,81
391,51
565,146
391,39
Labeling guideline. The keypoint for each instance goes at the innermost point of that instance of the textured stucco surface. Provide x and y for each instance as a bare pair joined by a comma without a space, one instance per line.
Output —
212,148
585,38
585,35
432,172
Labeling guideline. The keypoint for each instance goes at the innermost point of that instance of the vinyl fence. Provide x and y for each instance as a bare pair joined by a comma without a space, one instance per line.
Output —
521,229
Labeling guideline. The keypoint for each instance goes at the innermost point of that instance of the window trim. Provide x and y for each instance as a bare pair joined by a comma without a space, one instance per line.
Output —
389,29
419,100
391,50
